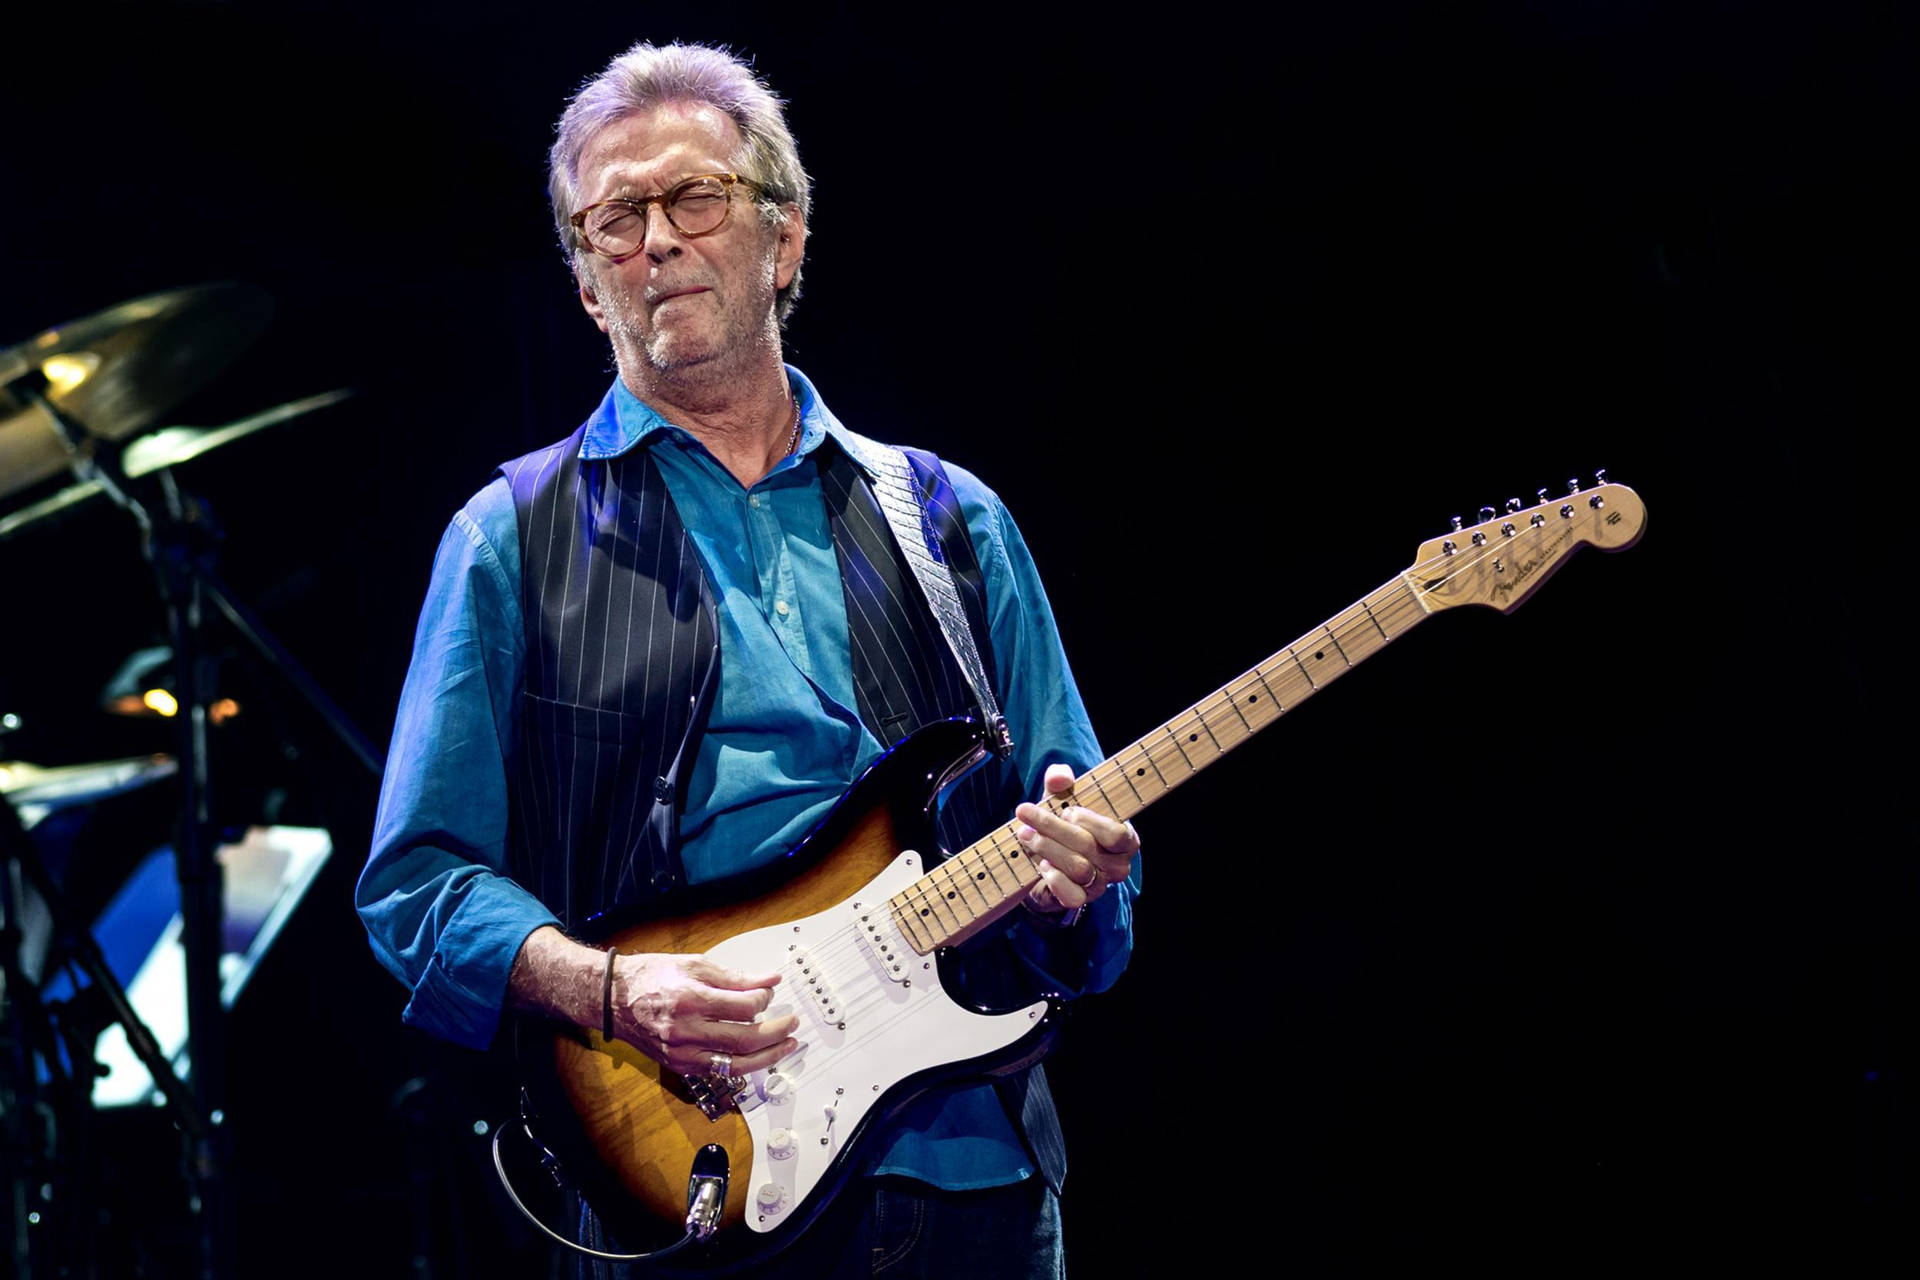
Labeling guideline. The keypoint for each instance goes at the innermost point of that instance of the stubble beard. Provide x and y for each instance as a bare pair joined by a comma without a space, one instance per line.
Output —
732,342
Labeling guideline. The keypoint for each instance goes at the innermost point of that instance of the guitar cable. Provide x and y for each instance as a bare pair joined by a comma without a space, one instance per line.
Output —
706,1196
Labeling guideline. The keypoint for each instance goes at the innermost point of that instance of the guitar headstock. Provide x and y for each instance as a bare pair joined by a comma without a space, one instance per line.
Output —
1501,560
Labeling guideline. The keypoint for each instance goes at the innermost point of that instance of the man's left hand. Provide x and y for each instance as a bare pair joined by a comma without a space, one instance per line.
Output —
1080,853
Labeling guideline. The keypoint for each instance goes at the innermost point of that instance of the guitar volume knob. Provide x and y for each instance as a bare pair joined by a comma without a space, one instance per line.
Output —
781,1144
769,1197
777,1089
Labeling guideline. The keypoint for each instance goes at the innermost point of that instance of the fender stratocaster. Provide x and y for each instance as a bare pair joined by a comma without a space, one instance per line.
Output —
861,926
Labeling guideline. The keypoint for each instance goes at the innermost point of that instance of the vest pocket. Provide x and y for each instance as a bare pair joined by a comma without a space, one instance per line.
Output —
561,720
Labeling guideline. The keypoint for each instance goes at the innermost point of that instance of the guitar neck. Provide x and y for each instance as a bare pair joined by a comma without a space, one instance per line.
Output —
985,880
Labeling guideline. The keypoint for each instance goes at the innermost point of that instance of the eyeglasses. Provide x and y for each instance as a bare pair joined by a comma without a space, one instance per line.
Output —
696,206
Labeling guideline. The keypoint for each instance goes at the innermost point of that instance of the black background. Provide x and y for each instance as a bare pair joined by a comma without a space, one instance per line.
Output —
1576,937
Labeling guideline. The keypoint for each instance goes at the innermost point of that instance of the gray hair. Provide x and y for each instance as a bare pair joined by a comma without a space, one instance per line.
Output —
648,76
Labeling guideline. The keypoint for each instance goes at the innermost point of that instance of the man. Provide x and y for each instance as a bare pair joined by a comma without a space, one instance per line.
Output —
653,655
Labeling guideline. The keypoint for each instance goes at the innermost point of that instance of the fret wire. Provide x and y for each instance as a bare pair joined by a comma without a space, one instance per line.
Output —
958,875
938,902
1113,810
1201,716
1337,646
1269,688
1168,730
989,865
1154,764
909,924
1303,668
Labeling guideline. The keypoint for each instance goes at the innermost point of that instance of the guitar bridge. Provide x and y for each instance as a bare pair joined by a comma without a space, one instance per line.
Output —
717,1095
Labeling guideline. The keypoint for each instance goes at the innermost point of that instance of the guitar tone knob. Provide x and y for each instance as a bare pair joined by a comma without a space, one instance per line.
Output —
778,1088
769,1197
781,1144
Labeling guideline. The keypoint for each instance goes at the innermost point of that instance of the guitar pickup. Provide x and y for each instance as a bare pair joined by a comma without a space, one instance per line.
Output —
884,945
811,979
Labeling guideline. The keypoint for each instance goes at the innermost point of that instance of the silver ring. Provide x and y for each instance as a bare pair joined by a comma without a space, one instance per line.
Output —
721,1065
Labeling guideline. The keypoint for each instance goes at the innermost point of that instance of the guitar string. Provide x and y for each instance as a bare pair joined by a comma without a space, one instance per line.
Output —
1396,597
861,1029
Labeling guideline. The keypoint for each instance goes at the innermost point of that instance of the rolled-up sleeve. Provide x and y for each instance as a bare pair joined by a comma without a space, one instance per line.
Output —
439,909
1049,724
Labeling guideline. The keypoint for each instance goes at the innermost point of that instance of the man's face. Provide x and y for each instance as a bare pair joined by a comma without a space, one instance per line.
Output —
683,304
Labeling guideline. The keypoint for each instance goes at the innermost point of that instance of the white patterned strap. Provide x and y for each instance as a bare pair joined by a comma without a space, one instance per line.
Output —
897,491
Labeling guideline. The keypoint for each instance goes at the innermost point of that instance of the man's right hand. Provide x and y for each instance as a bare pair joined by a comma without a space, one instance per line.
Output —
684,1011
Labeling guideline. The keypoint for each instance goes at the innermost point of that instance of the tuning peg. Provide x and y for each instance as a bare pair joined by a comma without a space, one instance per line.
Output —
1600,476
1513,504
1486,514
1541,494
1457,523
1573,486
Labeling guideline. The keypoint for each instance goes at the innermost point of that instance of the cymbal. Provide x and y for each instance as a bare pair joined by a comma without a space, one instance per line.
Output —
116,371
71,784
169,447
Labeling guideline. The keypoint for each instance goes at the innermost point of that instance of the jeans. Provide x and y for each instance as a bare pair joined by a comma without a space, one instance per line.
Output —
901,1229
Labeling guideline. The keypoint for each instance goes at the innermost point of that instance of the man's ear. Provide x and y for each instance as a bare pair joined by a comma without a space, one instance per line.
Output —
793,247
589,299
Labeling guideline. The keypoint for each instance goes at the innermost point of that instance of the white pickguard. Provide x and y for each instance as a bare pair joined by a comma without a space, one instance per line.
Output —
872,1012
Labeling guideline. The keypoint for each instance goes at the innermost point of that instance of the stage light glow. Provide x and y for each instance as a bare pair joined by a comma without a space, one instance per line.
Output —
160,700
66,371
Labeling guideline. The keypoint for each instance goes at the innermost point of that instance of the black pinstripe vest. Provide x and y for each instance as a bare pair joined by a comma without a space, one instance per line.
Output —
623,659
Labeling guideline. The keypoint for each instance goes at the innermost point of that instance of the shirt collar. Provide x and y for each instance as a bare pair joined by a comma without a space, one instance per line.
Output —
624,422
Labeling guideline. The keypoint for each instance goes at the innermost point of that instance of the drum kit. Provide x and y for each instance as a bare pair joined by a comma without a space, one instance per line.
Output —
79,408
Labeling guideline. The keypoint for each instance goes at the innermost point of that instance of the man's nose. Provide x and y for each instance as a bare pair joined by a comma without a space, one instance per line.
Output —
663,238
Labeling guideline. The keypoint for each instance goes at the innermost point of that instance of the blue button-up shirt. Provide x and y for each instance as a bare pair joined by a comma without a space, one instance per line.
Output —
782,743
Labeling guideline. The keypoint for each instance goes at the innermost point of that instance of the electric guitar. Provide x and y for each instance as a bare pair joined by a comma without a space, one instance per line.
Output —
861,924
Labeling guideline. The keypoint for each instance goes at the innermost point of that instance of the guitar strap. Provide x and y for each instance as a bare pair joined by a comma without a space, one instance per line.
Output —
904,505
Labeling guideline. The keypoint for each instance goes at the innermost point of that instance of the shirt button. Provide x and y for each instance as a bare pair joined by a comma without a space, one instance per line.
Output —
754,502
780,607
